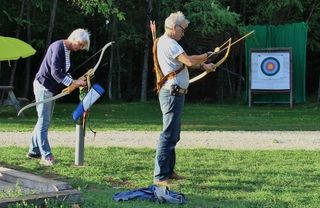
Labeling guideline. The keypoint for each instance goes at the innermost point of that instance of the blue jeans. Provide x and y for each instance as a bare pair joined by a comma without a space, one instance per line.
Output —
165,160
39,143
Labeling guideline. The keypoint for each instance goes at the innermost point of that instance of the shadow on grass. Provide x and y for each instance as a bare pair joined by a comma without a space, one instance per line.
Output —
219,183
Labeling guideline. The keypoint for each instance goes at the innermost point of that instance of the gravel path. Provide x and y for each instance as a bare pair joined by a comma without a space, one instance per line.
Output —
244,140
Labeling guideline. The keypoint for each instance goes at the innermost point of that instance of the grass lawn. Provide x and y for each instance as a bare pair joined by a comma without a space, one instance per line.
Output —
216,178
196,116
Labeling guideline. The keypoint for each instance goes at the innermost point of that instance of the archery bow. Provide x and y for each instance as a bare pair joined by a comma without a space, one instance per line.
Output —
217,51
87,76
241,38
216,64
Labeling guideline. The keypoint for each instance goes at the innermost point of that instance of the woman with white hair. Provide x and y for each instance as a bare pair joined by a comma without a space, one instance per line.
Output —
51,78
174,63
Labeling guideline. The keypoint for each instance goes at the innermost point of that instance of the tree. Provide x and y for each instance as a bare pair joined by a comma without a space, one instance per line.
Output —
28,62
131,40
213,19
19,21
146,52
212,22
51,23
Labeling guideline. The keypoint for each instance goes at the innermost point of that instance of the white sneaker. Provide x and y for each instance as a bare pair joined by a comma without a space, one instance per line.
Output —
47,161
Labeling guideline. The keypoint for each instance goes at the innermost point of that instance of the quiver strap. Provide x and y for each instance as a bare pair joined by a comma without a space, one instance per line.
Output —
160,78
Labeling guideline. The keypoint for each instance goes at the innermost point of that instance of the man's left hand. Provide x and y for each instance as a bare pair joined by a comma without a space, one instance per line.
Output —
210,67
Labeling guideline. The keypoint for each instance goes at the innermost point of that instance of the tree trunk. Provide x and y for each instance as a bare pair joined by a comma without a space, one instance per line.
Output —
129,91
239,81
242,11
118,74
220,85
51,23
13,72
319,89
110,73
118,62
28,62
144,77
229,83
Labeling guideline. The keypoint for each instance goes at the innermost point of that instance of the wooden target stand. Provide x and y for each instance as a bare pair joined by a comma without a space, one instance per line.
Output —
270,72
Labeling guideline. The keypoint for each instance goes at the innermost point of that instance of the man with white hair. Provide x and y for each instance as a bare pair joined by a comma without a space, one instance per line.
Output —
51,78
174,63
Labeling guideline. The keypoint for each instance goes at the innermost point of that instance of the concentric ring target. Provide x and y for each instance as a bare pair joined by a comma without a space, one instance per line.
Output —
270,66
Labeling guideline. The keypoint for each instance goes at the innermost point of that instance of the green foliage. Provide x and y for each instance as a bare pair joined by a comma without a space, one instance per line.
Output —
16,20
312,13
169,6
206,16
106,8
284,12
275,12
209,17
131,31
40,4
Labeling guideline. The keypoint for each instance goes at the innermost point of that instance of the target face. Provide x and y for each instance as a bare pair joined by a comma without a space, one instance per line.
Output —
270,69
270,66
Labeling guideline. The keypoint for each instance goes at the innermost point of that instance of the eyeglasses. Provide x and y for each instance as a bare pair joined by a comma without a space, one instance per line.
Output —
183,29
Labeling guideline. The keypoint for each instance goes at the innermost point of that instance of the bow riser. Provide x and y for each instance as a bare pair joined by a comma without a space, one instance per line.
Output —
221,61
87,76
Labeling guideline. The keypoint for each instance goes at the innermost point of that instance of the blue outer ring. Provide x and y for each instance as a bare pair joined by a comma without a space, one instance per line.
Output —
263,69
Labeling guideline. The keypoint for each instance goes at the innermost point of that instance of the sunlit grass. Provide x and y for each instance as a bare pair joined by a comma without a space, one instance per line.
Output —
216,178
196,117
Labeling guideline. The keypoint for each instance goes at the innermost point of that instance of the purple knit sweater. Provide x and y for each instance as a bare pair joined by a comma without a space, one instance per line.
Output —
53,68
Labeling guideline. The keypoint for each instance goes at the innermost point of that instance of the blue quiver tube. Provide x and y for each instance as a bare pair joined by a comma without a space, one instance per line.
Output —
92,96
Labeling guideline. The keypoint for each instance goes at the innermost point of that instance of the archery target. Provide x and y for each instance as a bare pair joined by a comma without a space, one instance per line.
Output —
270,70
270,66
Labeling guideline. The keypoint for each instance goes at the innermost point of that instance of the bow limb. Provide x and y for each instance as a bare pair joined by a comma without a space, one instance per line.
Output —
241,38
216,65
219,49
101,55
225,55
72,87
42,101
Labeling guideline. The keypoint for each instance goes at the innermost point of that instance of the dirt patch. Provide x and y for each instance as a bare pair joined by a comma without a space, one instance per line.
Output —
309,140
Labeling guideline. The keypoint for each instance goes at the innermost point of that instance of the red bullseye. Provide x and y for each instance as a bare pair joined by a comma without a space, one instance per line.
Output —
270,66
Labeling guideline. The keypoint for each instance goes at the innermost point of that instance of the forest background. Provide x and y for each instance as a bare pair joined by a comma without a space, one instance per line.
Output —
126,70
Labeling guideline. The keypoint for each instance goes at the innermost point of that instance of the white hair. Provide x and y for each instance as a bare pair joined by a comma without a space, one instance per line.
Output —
81,35
176,18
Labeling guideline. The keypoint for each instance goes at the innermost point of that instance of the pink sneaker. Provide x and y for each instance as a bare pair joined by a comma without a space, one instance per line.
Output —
47,161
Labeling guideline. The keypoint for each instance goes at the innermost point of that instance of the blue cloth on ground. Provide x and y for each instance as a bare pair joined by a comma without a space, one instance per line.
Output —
153,193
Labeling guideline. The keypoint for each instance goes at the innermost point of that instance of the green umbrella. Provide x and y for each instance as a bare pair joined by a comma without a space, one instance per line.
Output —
13,49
